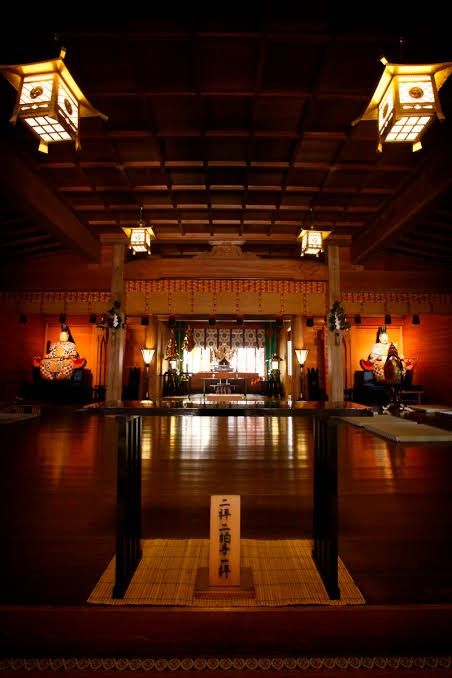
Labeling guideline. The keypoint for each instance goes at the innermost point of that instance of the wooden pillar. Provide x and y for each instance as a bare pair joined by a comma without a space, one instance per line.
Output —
281,350
297,342
150,341
335,352
116,337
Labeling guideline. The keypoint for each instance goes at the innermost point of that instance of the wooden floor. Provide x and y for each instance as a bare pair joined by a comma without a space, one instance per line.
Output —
57,517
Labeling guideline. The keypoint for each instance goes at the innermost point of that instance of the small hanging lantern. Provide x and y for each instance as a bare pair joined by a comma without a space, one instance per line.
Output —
49,100
311,241
406,101
140,237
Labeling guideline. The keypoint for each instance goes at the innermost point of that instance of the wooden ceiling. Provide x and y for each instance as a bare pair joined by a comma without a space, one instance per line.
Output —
228,129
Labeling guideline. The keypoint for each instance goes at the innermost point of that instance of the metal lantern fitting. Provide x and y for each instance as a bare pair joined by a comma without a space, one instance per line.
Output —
406,101
140,237
49,100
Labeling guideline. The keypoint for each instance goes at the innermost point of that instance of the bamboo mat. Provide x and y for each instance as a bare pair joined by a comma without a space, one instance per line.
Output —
283,573
14,417
400,430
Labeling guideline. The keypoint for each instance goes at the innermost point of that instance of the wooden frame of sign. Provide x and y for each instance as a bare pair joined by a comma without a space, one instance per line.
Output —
224,578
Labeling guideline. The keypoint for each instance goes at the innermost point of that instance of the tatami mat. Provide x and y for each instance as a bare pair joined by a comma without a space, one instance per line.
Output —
283,574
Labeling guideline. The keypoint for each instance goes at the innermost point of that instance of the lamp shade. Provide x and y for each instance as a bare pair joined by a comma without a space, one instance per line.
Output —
148,354
49,100
302,355
406,101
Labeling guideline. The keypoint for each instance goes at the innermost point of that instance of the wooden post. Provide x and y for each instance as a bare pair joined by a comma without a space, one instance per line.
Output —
116,337
297,342
150,341
128,503
325,522
335,352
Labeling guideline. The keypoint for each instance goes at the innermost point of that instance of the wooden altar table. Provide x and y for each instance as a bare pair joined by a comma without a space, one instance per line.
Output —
223,379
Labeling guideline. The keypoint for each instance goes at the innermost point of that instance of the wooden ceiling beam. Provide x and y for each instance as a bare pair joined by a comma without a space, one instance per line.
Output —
421,253
195,188
43,206
198,164
432,178
26,240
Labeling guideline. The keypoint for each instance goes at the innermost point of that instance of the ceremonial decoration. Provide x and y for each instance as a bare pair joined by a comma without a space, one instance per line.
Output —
222,356
61,360
188,342
337,320
113,318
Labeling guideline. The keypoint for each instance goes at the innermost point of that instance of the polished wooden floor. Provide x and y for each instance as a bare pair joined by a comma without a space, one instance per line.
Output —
57,503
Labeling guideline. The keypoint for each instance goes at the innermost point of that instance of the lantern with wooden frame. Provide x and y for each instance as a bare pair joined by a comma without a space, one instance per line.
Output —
311,240
49,100
406,101
140,237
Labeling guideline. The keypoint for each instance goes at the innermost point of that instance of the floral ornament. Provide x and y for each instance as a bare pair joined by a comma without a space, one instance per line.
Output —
337,319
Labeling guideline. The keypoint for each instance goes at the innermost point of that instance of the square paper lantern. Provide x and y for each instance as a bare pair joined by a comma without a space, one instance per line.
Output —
49,101
311,241
406,101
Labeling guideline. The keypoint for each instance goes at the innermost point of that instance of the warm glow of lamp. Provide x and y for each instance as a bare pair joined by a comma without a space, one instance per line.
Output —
140,237
148,354
49,100
406,101
311,241
274,362
302,355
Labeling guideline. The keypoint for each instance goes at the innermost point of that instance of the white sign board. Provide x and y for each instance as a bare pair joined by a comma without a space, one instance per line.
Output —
224,553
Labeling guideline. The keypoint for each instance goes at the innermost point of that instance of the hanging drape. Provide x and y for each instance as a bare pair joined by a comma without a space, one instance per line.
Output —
270,344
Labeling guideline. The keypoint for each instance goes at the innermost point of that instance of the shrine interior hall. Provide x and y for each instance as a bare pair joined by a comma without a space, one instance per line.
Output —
316,386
